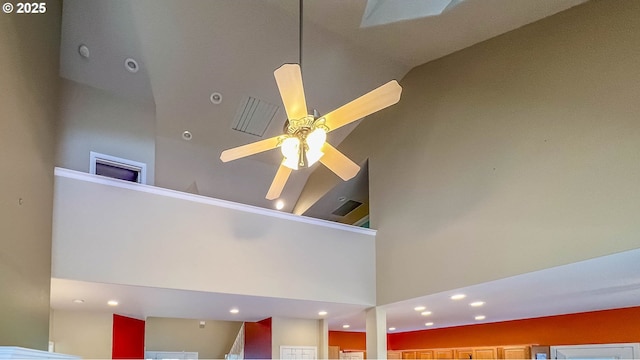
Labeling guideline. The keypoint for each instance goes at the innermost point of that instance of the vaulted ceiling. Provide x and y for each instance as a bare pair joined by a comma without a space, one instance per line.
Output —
187,50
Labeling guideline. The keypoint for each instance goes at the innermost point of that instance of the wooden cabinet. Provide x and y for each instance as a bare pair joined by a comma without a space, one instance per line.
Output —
334,352
476,353
515,352
463,354
408,354
485,353
443,354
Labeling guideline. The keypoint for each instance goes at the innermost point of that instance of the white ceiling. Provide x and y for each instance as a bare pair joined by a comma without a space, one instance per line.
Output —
602,283
188,49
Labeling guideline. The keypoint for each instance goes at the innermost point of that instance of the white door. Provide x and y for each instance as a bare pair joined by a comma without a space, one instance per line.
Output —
599,351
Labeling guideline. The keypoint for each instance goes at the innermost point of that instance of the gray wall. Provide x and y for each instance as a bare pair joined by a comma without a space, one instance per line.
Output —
517,154
29,85
294,332
211,342
82,333
96,120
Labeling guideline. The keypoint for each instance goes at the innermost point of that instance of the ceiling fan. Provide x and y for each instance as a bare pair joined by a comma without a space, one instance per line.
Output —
304,141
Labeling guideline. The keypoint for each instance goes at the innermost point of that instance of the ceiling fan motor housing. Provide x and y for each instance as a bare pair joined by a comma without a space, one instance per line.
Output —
300,129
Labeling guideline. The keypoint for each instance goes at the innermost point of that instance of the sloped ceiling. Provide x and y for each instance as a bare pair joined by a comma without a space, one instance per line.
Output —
189,49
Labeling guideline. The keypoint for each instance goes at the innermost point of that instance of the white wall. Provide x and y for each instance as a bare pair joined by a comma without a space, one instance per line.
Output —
85,334
117,232
96,120
293,332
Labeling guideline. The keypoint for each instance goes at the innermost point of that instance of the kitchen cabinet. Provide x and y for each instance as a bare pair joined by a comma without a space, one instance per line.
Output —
514,352
408,355
485,353
394,355
463,354
443,353
334,352
424,354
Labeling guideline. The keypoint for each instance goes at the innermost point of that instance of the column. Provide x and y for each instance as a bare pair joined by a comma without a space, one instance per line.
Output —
376,333
323,342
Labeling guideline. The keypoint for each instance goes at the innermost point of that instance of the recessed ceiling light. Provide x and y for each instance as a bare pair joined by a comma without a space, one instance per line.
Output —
345,326
215,98
477,303
279,204
78,301
112,303
458,297
83,50
428,324
234,311
425,313
186,135
480,317
131,65
392,329
322,313
419,308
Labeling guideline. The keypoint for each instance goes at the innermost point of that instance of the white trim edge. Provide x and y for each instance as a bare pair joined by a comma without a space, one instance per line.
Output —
77,175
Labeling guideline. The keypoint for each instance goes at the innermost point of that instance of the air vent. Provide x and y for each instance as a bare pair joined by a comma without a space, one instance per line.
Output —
346,208
254,116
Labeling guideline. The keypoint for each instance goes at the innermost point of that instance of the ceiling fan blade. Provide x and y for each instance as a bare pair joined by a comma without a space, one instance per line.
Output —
338,162
375,100
278,182
249,149
289,80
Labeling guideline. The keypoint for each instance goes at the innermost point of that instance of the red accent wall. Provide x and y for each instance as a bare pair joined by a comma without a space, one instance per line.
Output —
257,339
348,340
598,327
128,338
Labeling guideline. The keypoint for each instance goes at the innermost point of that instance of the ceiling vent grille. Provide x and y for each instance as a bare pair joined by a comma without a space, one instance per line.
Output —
254,116
346,208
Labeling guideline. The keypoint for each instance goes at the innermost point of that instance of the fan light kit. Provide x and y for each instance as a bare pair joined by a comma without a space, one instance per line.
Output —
305,137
